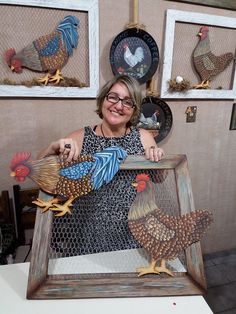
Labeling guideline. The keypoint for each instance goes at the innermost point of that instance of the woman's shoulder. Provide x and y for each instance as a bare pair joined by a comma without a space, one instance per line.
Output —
76,134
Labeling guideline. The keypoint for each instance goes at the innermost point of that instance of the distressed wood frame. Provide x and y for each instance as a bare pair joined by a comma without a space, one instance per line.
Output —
173,16
223,4
41,285
89,6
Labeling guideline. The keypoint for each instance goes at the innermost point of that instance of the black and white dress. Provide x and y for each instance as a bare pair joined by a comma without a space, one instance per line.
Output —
99,222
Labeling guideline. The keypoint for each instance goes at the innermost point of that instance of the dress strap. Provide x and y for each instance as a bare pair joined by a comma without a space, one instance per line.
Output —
94,128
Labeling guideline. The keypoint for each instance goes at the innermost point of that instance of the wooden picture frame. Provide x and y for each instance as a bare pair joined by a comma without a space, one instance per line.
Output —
42,285
193,20
88,40
233,118
226,4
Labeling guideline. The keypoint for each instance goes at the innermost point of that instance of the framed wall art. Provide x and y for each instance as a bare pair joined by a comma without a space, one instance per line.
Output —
233,118
134,52
36,28
156,117
58,272
180,61
226,4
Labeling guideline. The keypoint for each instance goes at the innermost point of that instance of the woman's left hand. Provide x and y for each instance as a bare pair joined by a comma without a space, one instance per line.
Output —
154,153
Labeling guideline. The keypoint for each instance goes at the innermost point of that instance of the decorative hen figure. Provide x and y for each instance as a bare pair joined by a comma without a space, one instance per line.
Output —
149,122
133,59
48,53
206,63
163,236
68,180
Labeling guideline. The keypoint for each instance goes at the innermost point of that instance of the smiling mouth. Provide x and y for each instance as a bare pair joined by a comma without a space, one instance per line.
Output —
116,112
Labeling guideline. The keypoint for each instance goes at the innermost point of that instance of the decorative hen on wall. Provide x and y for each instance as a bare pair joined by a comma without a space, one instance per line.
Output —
206,63
48,53
68,180
133,59
163,236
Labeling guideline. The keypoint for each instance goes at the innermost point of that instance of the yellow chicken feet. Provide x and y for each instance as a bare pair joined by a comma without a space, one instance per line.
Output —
151,269
57,77
45,79
163,269
204,84
46,204
64,208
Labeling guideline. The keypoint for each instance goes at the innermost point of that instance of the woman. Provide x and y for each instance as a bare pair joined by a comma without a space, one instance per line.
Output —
118,105
100,219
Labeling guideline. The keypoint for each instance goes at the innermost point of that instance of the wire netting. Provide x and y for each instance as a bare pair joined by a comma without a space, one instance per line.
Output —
21,25
67,229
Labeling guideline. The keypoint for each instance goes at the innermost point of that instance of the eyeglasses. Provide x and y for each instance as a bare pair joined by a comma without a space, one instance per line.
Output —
114,99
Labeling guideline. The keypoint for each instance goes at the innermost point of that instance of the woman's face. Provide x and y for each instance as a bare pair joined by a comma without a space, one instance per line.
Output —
117,114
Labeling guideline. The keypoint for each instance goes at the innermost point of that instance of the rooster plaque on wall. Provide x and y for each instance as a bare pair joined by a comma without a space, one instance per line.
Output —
67,180
48,53
206,63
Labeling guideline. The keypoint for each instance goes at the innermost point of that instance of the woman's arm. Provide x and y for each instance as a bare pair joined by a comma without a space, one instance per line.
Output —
152,151
68,147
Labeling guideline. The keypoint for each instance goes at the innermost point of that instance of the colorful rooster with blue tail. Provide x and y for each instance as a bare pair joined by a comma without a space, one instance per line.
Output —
68,180
49,53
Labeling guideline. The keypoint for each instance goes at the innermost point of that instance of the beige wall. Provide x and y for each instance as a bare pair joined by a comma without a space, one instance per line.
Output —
30,124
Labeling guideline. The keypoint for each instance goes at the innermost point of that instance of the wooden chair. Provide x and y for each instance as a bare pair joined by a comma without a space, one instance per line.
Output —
7,227
25,210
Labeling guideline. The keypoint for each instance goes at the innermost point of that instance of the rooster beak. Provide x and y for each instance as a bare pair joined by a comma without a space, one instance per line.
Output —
12,68
134,184
12,174
199,34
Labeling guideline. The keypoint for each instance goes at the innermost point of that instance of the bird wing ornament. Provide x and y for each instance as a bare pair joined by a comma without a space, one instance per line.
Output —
205,62
163,236
49,53
68,180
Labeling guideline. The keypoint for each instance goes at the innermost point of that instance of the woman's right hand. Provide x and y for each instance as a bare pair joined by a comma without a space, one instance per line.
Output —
65,147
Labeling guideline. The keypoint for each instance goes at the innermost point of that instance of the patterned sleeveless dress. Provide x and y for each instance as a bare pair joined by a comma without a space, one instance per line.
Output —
99,221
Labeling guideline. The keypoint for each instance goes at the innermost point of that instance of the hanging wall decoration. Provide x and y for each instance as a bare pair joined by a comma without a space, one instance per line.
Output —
134,52
203,65
156,115
47,52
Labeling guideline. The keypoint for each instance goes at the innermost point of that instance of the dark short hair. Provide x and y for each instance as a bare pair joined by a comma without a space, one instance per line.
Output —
134,91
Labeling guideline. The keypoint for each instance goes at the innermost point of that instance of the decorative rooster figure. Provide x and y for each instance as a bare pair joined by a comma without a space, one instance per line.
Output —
47,53
68,180
163,236
206,63
133,59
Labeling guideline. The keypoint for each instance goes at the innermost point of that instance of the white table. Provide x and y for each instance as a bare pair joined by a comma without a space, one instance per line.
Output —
13,284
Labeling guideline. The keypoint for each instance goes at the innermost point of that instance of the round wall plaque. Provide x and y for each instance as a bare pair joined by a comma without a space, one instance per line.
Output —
135,53
156,117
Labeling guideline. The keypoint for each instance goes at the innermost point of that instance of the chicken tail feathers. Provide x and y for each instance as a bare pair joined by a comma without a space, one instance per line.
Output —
68,29
202,220
106,165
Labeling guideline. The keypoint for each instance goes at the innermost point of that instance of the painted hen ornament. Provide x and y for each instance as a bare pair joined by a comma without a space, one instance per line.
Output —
163,236
205,62
48,53
67,180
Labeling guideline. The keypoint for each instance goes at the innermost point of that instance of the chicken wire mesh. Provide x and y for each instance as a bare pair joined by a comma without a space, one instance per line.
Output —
21,25
102,243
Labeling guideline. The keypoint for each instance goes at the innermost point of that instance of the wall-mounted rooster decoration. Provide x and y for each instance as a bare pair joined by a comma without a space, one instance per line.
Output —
48,53
206,63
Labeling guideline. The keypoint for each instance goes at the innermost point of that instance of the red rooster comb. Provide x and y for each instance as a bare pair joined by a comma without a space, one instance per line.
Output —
142,177
9,54
18,158
204,29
